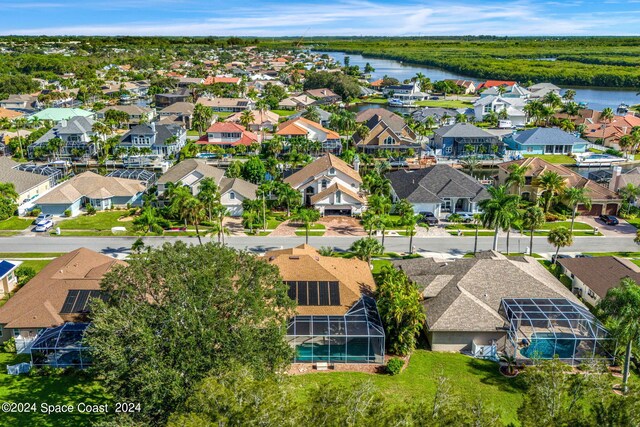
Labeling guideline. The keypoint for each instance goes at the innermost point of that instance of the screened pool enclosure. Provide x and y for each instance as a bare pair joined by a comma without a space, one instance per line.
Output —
356,337
542,328
61,347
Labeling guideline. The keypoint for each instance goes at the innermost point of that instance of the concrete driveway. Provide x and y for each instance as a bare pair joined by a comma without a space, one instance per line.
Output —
622,229
342,226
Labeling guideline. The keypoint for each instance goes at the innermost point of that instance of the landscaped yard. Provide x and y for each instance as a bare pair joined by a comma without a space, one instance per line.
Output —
283,113
101,221
52,390
444,103
471,378
554,158
15,223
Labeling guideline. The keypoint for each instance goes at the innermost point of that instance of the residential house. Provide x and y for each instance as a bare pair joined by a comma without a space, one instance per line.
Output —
296,102
437,189
465,138
330,185
325,116
90,188
336,317
591,278
504,91
190,81
305,128
8,278
510,108
405,92
163,100
76,134
260,120
227,135
441,116
323,96
608,132
24,103
539,90
546,141
59,293
57,114
136,113
233,105
463,298
177,113
387,131
191,172
618,180
161,140
10,114
492,83
28,185
603,200
211,80
468,86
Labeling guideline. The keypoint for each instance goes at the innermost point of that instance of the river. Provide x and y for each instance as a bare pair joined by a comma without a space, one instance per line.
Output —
595,97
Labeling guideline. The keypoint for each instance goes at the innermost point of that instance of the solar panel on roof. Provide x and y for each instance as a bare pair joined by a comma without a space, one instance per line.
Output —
313,293
302,293
70,301
334,293
292,290
77,301
323,291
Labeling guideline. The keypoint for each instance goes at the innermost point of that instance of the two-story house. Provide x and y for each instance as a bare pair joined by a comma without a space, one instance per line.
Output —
136,113
162,140
75,134
227,135
305,128
405,92
323,96
227,105
465,139
330,185
511,108
387,131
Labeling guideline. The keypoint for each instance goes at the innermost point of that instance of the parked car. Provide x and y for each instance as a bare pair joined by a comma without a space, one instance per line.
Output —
465,216
44,226
560,256
609,219
429,218
42,218
584,256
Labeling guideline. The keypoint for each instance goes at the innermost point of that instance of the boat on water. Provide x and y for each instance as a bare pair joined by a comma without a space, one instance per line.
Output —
622,109
396,102
596,159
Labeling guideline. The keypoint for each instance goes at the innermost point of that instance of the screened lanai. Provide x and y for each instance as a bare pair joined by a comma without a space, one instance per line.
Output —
61,347
540,328
356,337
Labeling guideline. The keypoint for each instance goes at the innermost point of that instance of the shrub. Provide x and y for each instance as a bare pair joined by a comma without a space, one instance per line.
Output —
394,366
67,213
9,346
91,210
35,212
24,274
613,152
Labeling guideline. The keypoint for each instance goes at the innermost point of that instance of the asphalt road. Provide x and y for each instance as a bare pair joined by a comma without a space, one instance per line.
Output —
451,245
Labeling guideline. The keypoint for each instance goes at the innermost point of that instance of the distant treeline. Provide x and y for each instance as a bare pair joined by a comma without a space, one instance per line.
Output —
574,61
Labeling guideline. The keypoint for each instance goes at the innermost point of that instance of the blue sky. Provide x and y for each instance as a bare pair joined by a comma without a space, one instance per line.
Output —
319,17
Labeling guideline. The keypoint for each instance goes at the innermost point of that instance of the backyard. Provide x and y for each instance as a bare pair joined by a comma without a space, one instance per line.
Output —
554,158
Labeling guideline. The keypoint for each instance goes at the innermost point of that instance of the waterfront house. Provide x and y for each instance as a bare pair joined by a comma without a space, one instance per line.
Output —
546,141
226,135
464,139
76,135
304,128
161,140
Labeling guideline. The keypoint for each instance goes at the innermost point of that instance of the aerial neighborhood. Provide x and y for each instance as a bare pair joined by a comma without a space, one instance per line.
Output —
193,224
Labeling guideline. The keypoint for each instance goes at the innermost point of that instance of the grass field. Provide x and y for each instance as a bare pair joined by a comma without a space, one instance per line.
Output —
444,103
53,390
554,158
471,378
15,223
101,221
283,113
16,255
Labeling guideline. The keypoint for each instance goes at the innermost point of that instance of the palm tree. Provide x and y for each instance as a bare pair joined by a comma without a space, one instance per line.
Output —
569,94
607,117
477,219
219,213
8,191
497,210
288,196
576,196
517,175
621,309
246,118
193,212
307,216
551,184
20,123
626,142
559,237
365,249
209,195
312,114
510,360
202,116
510,219
148,221
532,218
410,222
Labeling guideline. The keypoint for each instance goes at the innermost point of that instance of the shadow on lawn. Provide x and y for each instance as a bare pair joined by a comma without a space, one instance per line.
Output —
489,374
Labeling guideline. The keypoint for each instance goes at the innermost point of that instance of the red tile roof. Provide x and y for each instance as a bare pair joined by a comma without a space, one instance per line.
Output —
491,83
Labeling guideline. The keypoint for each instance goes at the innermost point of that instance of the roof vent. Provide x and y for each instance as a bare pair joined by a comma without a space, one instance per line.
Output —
294,257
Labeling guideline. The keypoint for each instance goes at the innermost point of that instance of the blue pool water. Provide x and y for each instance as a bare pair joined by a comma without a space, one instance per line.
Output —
544,346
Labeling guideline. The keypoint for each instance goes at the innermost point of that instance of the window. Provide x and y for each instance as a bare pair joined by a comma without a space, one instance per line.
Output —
332,171
338,196
448,149
232,195
389,141
324,184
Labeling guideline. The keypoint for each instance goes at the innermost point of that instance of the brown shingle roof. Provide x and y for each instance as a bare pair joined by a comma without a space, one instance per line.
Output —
22,181
38,303
304,263
332,189
601,273
92,185
320,165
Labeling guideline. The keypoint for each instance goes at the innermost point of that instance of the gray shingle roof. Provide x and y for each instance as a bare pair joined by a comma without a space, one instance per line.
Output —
185,167
21,180
432,184
163,132
465,294
546,136
462,130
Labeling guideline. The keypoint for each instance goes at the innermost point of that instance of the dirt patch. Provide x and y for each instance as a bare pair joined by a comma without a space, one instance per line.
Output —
125,219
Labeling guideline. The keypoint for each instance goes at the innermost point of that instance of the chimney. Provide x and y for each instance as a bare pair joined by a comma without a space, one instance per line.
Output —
153,127
615,177
63,123
356,163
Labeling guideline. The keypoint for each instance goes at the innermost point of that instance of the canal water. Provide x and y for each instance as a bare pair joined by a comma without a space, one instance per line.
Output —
594,97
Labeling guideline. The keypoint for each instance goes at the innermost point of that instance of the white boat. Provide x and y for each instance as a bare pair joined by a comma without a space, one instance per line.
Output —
596,159
395,102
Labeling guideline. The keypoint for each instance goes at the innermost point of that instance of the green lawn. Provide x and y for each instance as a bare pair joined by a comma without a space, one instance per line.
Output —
283,113
576,226
101,221
618,254
311,233
192,132
634,221
444,103
554,158
471,378
16,255
562,277
15,223
380,101
53,390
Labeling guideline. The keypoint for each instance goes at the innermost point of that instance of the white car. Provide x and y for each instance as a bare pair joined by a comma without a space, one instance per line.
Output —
465,216
42,218
44,226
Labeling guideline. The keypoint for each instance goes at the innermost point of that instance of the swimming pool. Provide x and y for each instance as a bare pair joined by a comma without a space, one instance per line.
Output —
545,346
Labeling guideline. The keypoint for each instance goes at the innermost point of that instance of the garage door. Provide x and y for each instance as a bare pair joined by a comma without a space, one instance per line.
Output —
337,212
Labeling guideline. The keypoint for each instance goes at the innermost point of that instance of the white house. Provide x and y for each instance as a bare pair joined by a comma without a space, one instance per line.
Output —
514,108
